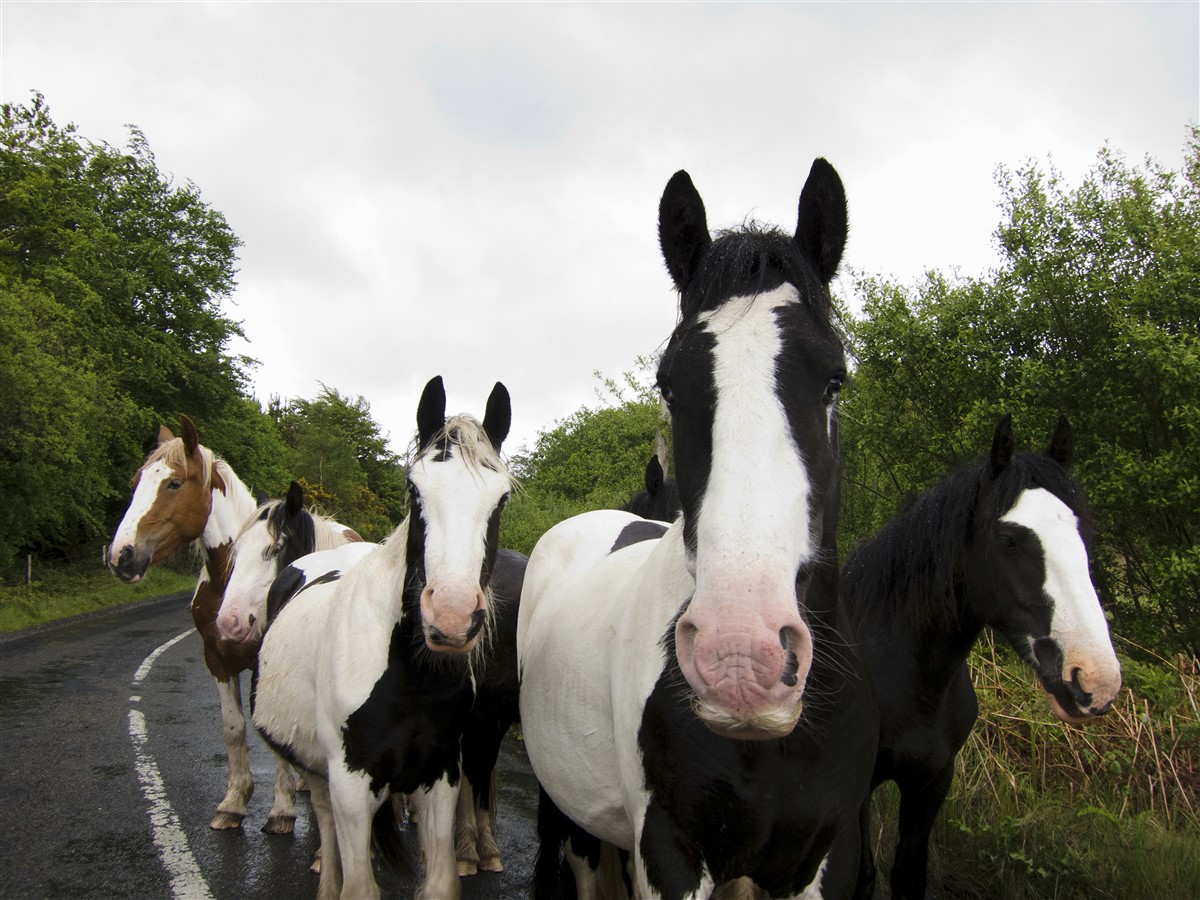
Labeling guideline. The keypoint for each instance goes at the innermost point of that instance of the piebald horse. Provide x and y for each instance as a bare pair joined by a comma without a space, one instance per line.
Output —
184,493
365,679
1001,542
690,693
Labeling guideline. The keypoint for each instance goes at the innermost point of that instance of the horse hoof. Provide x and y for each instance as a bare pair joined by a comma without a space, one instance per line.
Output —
315,868
225,821
491,864
280,825
466,868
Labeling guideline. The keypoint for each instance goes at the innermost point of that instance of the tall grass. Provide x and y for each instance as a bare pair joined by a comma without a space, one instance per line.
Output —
1042,809
64,589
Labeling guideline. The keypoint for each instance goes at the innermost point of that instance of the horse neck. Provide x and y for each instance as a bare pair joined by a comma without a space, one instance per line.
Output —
915,583
231,508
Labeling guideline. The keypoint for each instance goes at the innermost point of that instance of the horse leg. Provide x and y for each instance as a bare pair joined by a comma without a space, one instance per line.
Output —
354,807
466,831
919,806
240,784
330,885
435,831
282,818
485,821
666,862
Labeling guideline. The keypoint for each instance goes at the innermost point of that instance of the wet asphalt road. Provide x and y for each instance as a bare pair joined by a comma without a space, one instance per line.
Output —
75,821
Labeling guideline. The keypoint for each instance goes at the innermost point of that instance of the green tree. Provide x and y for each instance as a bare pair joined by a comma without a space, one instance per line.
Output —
112,279
338,451
1092,313
594,459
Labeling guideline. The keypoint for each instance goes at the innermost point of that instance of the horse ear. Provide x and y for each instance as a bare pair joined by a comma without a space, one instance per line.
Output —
821,222
654,476
261,497
294,502
187,431
431,411
164,434
682,229
1062,444
498,417
1002,446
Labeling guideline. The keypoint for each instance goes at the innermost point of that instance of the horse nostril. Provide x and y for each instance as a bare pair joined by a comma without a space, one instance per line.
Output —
1082,697
791,666
477,619
125,557
250,620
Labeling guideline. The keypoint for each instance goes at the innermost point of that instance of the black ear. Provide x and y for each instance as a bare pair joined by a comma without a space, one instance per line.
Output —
498,417
821,223
431,411
261,497
1002,446
654,476
1062,444
187,431
294,502
682,229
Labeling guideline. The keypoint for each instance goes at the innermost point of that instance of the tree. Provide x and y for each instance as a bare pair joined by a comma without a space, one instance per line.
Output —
338,452
1092,313
593,459
112,280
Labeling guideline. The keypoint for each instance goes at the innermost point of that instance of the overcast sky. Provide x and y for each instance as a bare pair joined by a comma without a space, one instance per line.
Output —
471,189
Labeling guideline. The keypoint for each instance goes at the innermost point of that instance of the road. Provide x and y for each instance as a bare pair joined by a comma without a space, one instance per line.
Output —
109,775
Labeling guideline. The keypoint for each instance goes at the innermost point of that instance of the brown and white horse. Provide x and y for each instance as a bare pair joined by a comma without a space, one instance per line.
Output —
183,493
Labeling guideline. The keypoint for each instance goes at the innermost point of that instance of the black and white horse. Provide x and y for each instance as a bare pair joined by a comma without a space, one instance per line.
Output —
277,535
1003,543
690,693
364,679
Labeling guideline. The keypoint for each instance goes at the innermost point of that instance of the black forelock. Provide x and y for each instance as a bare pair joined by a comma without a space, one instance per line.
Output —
750,260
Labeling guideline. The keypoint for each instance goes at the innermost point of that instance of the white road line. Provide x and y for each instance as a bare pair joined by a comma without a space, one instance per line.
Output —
187,883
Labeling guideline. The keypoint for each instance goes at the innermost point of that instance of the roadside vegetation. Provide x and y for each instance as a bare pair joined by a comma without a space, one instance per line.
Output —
109,270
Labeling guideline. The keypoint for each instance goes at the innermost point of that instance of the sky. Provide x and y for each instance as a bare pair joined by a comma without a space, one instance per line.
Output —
471,189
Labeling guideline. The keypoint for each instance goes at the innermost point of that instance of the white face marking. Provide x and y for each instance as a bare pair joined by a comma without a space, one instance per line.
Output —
252,574
456,505
1078,624
751,437
143,498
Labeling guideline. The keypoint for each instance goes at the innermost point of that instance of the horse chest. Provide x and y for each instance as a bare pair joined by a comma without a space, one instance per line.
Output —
767,809
406,734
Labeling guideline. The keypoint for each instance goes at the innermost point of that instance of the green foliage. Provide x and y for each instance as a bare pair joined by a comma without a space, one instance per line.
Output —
337,452
1093,314
112,278
593,459
60,590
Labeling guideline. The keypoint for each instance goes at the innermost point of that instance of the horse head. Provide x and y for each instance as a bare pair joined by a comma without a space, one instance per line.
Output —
1029,563
458,485
172,500
751,377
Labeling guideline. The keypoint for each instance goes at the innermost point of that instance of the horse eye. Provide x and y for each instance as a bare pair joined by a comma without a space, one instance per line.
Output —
668,397
503,501
175,484
1007,541
832,389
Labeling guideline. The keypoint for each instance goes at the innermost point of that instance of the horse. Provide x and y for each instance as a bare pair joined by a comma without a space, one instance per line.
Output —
1001,542
691,693
279,533
184,493
660,499
364,678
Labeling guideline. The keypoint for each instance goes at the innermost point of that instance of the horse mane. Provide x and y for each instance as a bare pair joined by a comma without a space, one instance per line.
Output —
174,454
465,434
751,260
324,529
912,569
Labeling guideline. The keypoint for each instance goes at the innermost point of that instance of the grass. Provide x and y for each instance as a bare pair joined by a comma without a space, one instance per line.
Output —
61,590
1041,809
